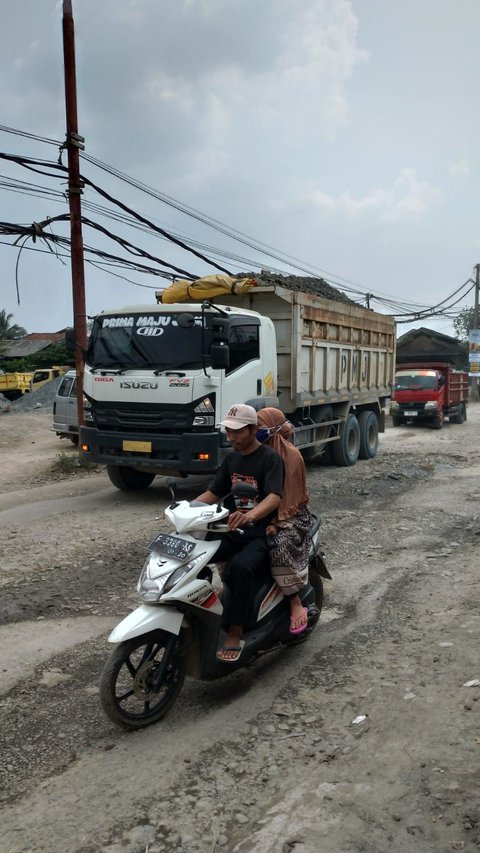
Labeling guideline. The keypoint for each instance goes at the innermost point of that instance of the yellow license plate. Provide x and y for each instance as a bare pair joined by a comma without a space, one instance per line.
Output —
137,446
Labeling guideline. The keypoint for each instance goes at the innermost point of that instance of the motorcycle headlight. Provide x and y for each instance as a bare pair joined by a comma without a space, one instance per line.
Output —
431,404
180,573
204,413
151,583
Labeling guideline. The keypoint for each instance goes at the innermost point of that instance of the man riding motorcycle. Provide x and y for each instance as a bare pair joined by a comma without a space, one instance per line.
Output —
245,545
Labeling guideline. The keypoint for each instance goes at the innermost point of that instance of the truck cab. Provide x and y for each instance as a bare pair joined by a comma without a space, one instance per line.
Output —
158,379
429,393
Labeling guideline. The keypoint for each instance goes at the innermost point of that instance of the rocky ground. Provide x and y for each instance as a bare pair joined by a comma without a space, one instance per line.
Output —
366,738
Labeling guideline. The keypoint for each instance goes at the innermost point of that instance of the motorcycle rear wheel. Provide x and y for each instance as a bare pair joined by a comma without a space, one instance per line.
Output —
126,686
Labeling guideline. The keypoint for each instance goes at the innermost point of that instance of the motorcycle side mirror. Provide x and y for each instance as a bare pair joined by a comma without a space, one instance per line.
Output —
244,490
171,486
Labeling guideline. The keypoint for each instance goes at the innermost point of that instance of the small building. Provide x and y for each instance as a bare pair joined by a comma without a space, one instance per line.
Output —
33,343
427,345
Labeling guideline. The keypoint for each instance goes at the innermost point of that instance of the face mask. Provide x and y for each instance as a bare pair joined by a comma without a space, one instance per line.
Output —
264,433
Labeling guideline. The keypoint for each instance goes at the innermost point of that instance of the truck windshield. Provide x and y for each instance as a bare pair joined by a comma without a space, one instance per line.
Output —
415,382
152,340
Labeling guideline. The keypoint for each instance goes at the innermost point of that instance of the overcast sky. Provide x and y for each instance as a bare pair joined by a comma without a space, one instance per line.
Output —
344,133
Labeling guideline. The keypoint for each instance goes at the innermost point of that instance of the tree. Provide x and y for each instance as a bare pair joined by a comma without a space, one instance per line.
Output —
463,323
8,330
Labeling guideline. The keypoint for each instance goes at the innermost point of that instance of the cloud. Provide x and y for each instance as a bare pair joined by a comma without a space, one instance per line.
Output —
408,197
460,169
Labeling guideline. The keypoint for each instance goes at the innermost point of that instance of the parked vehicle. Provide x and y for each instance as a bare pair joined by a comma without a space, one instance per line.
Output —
176,630
159,378
44,375
429,392
65,419
15,385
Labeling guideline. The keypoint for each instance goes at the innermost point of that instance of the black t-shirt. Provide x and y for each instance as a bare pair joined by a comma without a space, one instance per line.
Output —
263,469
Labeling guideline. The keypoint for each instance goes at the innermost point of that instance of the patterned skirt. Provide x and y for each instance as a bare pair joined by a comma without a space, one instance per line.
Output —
289,557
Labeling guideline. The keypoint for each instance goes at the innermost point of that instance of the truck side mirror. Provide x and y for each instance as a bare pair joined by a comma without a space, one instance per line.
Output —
220,329
220,355
70,339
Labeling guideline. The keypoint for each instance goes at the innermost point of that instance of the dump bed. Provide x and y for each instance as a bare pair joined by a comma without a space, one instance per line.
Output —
328,350
15,382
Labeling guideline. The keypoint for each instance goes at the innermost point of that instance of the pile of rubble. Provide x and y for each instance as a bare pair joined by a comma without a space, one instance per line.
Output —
41,400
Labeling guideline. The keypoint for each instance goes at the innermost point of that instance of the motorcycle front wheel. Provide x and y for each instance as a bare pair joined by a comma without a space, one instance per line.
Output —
130,693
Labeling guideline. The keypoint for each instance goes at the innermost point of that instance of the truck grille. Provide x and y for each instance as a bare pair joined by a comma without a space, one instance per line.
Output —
130,419
412,407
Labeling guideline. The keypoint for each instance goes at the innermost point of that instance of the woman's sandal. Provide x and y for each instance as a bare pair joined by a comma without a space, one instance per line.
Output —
301,628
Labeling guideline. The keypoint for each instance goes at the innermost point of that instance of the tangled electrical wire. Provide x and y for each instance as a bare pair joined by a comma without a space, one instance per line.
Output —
121,213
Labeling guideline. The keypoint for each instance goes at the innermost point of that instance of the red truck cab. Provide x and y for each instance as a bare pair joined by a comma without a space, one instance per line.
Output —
429,392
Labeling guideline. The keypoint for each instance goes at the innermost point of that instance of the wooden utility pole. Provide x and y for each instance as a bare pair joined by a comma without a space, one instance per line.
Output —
474,386
73,144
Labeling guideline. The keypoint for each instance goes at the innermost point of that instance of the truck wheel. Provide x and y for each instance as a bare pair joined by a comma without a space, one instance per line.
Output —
461,415
368,423
345,450
128,479
396,421
439,420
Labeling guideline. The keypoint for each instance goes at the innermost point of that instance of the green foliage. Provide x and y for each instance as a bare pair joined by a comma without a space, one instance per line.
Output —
463,323
54,354
68,463
9,331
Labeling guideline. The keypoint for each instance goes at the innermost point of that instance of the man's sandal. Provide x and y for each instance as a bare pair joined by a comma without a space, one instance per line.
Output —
237,649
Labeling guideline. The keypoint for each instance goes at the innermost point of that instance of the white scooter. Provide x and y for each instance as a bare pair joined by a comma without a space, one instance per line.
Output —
176,630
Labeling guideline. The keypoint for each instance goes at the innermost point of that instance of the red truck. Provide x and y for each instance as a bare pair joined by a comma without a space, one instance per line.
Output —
430,391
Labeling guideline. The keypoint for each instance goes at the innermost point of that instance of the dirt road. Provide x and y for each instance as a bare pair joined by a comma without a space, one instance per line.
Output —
269,759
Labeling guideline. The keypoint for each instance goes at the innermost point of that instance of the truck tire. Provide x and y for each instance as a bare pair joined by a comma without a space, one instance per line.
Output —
438,420
461,415
128,479
368,423
345,450
396,421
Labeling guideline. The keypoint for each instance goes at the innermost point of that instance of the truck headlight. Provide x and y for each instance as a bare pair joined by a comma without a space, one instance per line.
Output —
87,409
431,404
204,413
394,406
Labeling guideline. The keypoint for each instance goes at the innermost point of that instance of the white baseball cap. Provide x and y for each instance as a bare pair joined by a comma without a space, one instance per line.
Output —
239,416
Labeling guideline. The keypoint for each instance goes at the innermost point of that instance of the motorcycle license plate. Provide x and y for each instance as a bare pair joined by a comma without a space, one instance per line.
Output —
410,414
172,546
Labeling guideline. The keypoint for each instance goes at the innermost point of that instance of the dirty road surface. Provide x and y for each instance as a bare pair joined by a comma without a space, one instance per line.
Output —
364,738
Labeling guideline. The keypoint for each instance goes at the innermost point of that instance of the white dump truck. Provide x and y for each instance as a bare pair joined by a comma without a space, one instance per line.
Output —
159,378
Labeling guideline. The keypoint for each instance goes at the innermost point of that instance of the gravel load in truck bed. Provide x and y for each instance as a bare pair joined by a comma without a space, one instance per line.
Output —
305,284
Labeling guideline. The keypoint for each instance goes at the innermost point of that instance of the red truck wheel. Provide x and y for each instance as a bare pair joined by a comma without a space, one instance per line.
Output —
439,420
461,415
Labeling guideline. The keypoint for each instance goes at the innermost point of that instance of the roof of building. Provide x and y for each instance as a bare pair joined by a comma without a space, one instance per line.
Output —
33,343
